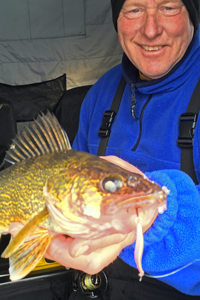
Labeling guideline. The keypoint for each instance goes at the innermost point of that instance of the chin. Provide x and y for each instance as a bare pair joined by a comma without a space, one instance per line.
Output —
154,75
154,72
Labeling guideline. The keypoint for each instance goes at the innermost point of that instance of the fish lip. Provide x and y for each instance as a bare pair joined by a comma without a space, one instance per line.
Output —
111,206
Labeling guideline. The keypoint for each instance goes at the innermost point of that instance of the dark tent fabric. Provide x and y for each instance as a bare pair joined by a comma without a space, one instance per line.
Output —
8,128
52,284
31,99
68,109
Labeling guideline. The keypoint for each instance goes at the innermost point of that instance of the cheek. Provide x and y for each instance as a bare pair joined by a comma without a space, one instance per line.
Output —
180,28
127,27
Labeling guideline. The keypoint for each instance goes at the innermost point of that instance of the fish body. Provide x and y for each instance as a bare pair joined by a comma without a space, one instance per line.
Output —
73,179
53,189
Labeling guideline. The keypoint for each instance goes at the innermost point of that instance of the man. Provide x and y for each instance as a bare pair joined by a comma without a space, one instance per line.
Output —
160,65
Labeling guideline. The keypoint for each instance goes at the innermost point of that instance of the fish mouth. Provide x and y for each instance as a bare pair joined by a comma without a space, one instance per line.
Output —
119,212
111,205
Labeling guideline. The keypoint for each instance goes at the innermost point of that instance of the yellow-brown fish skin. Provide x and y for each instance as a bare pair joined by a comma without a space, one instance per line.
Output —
84,201
21,186
52,189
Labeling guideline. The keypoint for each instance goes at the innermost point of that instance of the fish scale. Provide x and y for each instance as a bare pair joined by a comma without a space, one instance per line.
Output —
52,189
22,184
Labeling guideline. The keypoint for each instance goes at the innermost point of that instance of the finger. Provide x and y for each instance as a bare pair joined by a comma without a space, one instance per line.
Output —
103,257
58,250
122,163
81,246
91,263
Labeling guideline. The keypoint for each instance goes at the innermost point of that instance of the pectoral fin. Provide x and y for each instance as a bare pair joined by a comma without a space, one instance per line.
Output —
25,232
28,247
26,257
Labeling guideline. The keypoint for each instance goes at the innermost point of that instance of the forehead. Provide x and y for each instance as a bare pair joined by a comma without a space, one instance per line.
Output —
151,2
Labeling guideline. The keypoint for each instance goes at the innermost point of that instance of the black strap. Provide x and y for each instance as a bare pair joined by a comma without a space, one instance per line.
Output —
187,125
108,118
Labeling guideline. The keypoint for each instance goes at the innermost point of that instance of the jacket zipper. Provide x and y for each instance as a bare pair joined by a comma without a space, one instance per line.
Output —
133,101
141,117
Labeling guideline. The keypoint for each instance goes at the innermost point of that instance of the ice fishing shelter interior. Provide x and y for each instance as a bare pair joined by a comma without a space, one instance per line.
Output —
51,52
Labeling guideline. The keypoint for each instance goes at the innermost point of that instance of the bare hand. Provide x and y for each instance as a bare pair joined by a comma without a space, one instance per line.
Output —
91,256
96,255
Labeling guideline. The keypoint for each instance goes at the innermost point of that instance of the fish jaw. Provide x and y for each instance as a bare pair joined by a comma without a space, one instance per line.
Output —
111,205
81,204
77,224
122,214
144,205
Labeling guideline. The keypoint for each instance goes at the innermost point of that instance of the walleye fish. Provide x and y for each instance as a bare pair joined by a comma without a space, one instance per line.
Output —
52,189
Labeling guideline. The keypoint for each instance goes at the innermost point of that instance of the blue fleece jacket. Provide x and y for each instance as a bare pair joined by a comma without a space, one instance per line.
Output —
150,143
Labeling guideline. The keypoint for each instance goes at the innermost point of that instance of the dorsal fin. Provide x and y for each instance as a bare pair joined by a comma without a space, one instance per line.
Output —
43,135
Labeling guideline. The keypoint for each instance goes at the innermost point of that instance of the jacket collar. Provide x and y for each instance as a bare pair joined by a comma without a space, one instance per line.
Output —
131,73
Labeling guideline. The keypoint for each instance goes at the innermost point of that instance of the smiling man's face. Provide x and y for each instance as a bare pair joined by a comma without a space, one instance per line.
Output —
154,34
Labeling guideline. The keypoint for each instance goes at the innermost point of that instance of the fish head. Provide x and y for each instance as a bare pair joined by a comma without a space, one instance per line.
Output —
114,197
135,197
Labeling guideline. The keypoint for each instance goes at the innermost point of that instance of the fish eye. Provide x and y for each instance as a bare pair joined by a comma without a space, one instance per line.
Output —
112,183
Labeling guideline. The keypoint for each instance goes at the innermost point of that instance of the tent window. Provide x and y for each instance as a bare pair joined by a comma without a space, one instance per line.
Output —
27,19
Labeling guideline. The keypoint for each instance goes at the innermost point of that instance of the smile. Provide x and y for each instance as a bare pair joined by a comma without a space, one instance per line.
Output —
151,48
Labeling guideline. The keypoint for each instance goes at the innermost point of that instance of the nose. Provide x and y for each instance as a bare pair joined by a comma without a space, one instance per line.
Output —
151,26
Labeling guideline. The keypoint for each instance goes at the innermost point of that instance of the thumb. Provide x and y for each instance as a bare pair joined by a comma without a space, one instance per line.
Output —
79,246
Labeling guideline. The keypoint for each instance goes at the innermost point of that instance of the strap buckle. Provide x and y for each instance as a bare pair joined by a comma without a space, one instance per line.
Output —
187,123
108,118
